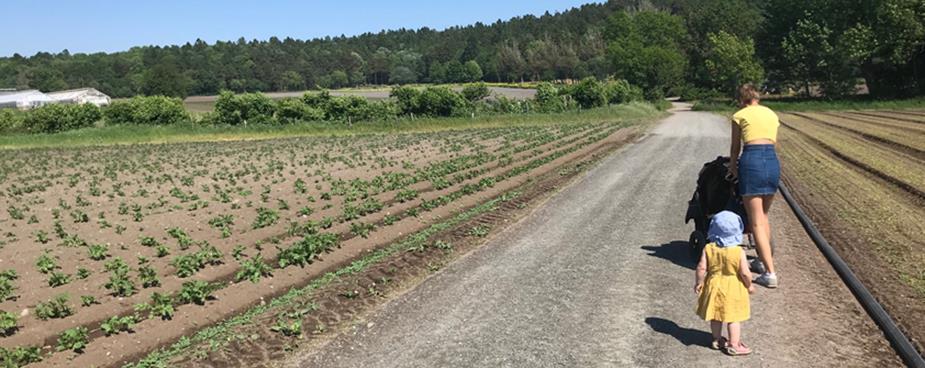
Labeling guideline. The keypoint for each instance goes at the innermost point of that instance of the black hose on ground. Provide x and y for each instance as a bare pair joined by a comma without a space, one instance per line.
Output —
897,339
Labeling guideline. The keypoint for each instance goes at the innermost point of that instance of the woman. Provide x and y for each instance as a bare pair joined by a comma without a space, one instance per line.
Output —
758,171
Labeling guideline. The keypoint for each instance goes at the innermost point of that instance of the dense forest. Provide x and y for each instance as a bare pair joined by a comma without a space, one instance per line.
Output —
688,47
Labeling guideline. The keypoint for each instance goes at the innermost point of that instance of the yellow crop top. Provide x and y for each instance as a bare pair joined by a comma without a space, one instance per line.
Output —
757,122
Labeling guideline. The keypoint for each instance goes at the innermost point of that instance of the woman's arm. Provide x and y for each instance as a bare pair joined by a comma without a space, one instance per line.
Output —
701,273
735,146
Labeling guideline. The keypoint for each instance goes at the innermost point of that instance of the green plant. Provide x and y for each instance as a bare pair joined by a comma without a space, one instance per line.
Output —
58,278
6,285
45,263
265,217
183,239
73,339
55,308
162,250
253,269
161,306
120,284
116,324
88,300
8,323
479,230
291,328
148,276
196,292
20,355
187,264
361,229
98,252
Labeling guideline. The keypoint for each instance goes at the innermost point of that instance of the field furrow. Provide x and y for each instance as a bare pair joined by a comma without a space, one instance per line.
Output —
900,169
876,226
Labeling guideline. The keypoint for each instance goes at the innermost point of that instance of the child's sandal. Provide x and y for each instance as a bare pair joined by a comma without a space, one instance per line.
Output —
719,344
737,351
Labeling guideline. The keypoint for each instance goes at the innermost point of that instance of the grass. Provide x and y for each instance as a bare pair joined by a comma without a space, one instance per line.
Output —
132,134
802,104
223,330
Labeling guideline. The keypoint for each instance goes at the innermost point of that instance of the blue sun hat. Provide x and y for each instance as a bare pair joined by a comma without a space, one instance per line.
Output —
726,229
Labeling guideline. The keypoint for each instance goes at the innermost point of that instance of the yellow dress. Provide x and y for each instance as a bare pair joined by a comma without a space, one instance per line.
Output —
724,297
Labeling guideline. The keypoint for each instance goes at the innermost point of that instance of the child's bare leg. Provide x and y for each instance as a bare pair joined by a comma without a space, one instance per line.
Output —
735,333
717,328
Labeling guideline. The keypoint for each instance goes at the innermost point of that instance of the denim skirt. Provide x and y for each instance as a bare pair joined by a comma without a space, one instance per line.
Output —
759,170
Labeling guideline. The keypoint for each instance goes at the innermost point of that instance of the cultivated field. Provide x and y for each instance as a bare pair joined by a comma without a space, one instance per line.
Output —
110,252
861,175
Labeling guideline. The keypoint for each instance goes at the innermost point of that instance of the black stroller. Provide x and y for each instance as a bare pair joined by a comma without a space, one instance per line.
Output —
714,193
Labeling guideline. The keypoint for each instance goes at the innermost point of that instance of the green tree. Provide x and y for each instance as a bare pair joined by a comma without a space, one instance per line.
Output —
731,61
646,48
473,71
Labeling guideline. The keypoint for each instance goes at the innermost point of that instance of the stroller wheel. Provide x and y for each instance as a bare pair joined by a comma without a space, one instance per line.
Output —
697,241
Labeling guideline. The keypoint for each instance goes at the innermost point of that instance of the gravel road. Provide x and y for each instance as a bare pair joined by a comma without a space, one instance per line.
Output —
599,276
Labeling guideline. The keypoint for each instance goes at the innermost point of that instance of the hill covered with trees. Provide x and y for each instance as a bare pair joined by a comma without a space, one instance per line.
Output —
664,46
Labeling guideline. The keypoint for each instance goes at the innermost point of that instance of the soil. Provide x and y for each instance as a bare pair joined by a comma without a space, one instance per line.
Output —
240,296
257,345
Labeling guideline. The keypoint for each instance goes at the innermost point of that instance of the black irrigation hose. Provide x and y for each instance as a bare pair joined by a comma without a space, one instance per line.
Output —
898,340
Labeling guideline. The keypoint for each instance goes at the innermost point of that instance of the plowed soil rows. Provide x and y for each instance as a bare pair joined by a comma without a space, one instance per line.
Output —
909,140
901,168
877,226
99,217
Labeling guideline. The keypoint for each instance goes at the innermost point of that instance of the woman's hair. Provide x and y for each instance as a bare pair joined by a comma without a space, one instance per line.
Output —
747,93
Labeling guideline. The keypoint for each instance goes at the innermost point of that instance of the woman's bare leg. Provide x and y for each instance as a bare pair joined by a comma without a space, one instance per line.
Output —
756,207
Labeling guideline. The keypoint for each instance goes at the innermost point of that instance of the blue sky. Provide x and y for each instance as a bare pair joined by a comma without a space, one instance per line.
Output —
106,25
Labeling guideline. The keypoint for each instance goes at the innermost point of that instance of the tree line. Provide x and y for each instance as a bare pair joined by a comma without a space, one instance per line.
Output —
688,47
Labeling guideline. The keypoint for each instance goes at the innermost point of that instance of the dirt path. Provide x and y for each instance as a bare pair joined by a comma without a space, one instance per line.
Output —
599,276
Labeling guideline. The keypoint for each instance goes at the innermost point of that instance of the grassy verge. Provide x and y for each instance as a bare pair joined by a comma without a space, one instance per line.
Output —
818,105
161,357
130,134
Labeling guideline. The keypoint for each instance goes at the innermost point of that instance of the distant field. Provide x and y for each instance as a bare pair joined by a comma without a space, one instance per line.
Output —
861,175
207,103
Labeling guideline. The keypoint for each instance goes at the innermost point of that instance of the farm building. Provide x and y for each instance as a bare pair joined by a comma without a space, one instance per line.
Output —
25,99
80,96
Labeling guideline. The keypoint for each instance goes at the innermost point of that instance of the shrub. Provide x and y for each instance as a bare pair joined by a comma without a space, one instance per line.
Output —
548,98
588,93
292,110
60,117
147,110
254,108
475,91
406,99
620,91
11,120
440,101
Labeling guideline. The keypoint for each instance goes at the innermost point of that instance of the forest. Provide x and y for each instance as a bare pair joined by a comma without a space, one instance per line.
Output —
681,47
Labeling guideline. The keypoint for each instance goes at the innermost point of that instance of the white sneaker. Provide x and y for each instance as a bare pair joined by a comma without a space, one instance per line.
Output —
768,280
757,266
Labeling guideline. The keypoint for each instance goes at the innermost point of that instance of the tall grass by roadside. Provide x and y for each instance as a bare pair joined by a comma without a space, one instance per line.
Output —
817,104
191,132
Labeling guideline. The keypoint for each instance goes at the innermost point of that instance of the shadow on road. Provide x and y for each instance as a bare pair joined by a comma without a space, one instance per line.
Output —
676,251
686,336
